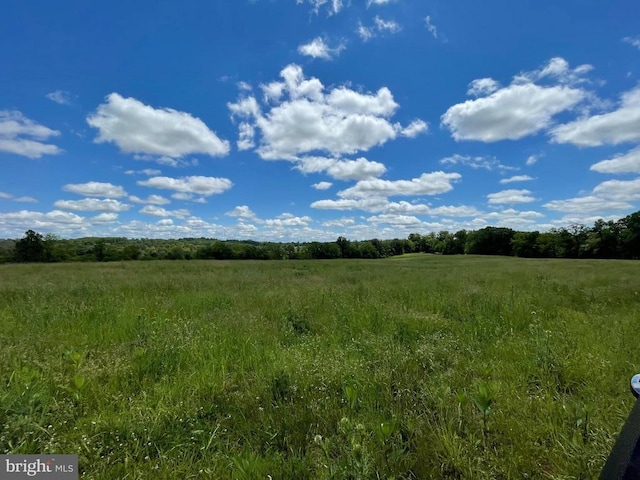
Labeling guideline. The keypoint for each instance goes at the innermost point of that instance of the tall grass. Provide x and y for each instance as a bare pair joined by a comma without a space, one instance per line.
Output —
412,367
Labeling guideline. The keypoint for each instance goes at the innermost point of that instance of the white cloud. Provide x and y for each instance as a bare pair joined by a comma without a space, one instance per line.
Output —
246,135
516,178
358,169
483,86
139,128
622,190
25,199
373,204
22,136
333,6
197,185
93,205
322,185
510,113
341,222
532,160
150,200
487,163
156,211
510,196
559,70
147,171
619,126
60,97
623,163
287,221
318,48
96,189
427,184
587,204
431,27
513,218
378,2
365,33
635,41
386,25
104,218
393,219
380,26
612,195
8,196
414,129
421,209
342,121
56,220
241,211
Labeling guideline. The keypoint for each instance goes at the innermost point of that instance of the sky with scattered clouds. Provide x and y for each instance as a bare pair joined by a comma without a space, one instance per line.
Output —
300,120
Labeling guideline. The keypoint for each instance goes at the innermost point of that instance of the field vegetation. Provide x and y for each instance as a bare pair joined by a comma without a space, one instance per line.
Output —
416,366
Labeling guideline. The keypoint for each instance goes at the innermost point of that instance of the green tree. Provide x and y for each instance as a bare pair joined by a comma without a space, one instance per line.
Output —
30,248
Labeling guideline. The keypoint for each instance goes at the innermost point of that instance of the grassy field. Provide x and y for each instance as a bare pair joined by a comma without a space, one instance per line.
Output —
412,367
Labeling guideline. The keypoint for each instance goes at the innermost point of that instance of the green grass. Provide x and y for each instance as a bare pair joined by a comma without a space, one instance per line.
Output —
413,367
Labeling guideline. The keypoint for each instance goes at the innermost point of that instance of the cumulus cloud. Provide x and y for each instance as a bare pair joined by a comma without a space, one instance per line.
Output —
8,196
150,200
373,204
96,189
509,113
56,219
287,220
322,185
427,184
146,171
197,185
422,209
414,129
358,169
557,69
22,136
516,178
156,211
532,160
139,128
523,108
318,48
241,211
60,97
612,195
341,222
486,163
93,205
302,118
393,219
104,218
623,163
510,196
619,126
483,86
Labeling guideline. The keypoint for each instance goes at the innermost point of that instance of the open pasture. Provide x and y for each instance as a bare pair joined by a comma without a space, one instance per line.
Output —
417,366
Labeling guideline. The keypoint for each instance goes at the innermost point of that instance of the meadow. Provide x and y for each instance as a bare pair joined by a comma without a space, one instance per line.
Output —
418,366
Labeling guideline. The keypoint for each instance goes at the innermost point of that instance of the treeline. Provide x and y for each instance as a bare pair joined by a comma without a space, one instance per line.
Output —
619,239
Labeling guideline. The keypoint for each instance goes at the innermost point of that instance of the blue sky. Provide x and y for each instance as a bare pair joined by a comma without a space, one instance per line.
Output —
297,120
